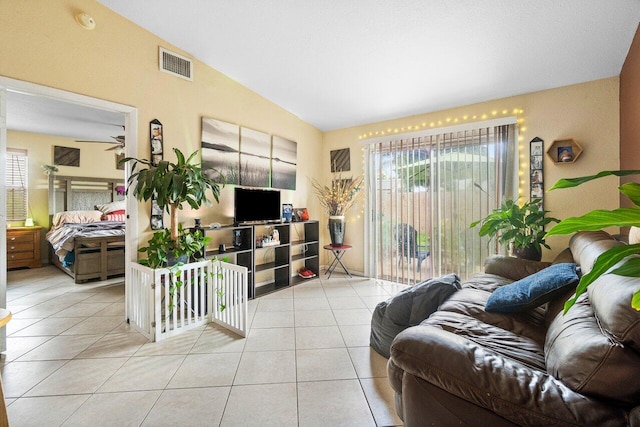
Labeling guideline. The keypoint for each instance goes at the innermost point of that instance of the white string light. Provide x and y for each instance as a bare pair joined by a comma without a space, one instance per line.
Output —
524,164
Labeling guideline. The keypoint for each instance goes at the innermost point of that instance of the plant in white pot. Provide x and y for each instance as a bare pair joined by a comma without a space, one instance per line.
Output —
337,199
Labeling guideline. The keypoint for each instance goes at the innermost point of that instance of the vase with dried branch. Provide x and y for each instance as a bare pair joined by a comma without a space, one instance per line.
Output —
336,199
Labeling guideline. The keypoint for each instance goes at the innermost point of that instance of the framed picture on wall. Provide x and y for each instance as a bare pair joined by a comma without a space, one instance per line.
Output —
66,156
156,139
156,222
340,160
221,149
536,177
156,216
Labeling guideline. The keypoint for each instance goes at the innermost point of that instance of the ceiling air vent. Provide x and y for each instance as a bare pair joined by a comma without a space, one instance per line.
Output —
175,64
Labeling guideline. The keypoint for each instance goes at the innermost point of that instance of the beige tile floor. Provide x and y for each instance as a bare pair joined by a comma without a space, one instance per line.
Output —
71,360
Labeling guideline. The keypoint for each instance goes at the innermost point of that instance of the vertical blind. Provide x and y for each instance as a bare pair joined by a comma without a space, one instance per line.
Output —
426,190
16,185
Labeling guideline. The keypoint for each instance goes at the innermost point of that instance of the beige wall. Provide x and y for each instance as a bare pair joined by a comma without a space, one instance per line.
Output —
629,113
586,112
118,61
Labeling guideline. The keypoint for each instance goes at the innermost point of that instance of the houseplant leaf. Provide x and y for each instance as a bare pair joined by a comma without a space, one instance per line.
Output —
596,220
602,265
635,301
632,191
631,268
574,182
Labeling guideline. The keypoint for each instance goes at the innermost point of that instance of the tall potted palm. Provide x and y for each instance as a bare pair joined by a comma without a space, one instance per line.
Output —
172,185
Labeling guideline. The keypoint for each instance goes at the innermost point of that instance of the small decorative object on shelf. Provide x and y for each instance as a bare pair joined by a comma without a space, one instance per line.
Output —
268,240
287,212
564,151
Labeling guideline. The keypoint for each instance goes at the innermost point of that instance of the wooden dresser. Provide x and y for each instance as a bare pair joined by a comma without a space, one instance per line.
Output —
23,247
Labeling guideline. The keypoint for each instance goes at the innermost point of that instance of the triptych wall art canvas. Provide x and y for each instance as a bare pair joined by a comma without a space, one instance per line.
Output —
248,157
221,149
283,163
255,158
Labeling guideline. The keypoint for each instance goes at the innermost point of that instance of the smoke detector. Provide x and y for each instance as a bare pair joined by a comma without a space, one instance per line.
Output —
86,21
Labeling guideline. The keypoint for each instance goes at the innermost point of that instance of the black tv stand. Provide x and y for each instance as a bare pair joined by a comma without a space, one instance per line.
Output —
276,266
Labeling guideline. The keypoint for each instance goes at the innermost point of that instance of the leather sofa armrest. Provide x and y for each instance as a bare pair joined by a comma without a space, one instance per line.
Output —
509,388
512,268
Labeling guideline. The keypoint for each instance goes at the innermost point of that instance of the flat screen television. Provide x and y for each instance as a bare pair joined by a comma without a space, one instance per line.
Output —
253,205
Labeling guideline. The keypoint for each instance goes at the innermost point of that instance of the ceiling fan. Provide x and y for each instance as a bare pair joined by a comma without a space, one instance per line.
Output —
118,143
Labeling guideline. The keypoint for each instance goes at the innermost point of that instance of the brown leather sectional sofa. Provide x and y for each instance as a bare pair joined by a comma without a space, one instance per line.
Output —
465,366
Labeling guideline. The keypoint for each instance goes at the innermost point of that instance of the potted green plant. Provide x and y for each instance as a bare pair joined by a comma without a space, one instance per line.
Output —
599,219
172,185
522,227
162,251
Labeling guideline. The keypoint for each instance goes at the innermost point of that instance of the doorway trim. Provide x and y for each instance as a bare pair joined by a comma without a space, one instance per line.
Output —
131,150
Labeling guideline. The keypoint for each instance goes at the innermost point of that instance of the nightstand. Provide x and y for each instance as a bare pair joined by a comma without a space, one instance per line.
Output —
23,247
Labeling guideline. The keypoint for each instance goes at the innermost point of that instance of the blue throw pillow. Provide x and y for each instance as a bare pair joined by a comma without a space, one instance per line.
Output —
533,290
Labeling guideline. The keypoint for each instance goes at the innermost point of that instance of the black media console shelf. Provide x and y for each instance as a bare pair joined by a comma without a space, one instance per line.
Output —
272,267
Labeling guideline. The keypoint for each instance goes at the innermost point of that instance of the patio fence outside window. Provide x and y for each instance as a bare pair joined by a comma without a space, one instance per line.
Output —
425,190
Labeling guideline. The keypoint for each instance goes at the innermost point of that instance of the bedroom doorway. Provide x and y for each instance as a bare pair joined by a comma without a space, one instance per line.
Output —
11,87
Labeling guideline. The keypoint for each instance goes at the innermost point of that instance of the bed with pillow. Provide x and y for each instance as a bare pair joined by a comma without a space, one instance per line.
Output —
87,234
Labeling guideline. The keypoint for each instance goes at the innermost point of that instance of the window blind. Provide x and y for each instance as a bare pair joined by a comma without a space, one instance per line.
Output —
17,185
426,190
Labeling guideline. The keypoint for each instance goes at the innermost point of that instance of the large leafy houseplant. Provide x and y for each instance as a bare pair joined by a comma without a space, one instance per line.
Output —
521,226
172,184
598,219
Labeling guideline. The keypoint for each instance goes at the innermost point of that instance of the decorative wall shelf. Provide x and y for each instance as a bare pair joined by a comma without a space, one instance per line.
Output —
564,151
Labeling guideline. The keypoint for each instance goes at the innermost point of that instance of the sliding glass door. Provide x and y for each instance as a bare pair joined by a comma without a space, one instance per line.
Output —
424,193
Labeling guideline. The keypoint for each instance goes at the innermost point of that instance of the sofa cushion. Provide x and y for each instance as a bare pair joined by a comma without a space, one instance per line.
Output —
490,337
483,375
610,297
407,308
533,290
511,267
583,353
586,246
470,301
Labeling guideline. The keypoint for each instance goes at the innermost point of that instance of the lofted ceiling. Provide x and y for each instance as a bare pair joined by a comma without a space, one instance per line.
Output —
343,63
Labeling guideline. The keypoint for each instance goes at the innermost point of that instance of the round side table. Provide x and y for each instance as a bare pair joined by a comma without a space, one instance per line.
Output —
338,252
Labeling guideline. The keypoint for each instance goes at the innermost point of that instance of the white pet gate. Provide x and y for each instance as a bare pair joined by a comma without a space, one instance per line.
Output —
165,302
